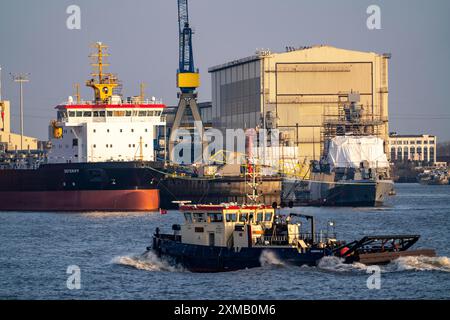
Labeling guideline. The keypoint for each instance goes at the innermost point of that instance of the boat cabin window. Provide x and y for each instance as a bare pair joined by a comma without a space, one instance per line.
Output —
268,216
87,114
71,113
215,217
118,113
79,114
128,113
62,115
243,217
199,217
260,217
231,217
188,217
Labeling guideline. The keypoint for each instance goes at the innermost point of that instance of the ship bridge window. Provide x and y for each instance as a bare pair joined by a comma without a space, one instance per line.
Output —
199,217
215,217
109,113
71,113
87,114
142,113
128,113
268,216
231,217
79,113
243,217
119,113
188,217
62,115
260,217
150,113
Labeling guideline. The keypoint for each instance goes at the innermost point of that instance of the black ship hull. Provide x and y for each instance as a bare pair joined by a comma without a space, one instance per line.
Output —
118,186
216,191
198,258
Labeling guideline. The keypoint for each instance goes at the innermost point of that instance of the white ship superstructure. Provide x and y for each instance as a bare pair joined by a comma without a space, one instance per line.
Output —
106,132
108,128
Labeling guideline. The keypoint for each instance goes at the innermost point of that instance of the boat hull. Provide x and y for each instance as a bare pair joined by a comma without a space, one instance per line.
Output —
358,194
81,200
113,186
198,258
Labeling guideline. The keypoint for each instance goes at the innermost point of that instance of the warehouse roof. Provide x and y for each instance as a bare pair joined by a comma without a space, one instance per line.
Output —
261,53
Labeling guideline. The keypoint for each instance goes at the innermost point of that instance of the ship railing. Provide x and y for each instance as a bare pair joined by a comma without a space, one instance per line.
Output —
318,237
124,101
274,240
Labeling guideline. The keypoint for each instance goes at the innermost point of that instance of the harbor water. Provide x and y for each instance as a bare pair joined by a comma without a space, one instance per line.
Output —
38,248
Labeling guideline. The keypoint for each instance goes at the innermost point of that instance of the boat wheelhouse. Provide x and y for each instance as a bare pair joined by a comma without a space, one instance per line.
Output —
109,128
247,226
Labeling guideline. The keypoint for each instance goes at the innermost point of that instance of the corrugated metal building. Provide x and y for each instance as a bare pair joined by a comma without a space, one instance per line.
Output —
297,90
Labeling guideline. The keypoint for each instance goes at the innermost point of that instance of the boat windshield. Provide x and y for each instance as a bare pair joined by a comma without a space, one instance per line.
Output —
260,217
243,217
215,217
231,217
188,217
268,216
199,217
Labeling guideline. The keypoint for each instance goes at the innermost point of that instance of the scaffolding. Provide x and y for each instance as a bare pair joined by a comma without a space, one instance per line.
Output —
349,118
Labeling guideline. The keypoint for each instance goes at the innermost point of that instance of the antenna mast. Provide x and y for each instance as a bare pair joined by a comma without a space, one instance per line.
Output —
21,78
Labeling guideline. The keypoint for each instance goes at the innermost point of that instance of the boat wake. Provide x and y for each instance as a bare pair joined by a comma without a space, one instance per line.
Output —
335,264
148,262
269,258
421,263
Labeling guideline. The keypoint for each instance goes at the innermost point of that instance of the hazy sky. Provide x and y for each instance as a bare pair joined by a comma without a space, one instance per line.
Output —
143,40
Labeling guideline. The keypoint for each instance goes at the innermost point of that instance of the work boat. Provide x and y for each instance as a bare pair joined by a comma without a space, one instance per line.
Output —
227,237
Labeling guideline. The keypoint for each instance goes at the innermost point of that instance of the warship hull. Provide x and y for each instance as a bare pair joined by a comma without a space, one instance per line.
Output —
350,193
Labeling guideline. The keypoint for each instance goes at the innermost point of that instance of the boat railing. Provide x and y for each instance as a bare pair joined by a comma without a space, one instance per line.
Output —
318,237
306,237
275,240
124,101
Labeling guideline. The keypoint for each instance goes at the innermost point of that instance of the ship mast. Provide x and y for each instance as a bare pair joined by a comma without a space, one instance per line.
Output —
106,82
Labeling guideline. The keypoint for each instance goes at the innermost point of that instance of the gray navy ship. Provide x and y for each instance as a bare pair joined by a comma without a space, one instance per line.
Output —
354,173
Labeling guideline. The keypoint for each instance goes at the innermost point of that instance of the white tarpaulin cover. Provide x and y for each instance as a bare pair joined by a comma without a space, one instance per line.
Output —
349,152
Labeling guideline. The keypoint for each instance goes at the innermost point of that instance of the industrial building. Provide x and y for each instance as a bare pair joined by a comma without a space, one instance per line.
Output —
11,141
413,148
304,93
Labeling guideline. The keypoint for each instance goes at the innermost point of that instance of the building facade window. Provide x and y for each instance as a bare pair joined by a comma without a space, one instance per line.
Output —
412,153
399,154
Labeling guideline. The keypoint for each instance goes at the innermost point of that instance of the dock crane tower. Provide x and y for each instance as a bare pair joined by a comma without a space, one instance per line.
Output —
188,78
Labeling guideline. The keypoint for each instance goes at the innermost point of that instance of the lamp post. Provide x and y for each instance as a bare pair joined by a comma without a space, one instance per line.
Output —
21,79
